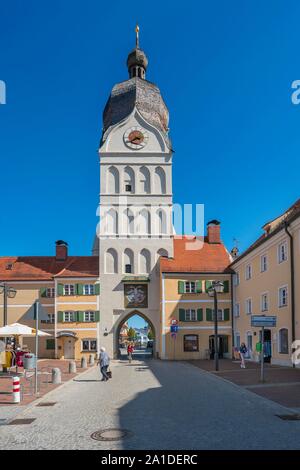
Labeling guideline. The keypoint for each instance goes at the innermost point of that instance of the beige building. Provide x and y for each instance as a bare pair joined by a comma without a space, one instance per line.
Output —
185,280
67,288
267,275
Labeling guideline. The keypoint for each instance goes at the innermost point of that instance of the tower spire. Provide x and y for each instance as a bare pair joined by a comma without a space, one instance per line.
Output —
137,61
137,39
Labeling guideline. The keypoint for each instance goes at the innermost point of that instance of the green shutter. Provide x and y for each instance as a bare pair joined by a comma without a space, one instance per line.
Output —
200,314
50,344
181,314
80,316
226,287
199,287
208,285
226,314
60,289
43,292
79,289
180,287
60,317
208,314
97,315
97,289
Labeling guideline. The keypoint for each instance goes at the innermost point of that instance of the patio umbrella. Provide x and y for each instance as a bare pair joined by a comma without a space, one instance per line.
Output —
17,329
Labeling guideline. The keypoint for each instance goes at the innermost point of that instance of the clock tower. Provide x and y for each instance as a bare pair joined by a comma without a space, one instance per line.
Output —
135,227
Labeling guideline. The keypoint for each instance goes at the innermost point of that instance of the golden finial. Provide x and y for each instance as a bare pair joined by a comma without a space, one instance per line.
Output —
137,29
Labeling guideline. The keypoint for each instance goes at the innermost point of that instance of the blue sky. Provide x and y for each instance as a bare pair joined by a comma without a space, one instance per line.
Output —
225,70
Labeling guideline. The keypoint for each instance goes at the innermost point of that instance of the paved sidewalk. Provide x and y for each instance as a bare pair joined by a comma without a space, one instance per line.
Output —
44,367
282,384
165,405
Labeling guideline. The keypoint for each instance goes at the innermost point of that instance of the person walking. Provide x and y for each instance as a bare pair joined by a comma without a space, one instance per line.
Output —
130,351
243,352
104,363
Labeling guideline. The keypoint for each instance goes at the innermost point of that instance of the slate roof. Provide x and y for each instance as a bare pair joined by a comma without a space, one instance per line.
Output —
143,95
210,258
43,268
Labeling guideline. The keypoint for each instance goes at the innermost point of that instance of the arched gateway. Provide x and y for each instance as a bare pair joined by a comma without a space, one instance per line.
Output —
120,326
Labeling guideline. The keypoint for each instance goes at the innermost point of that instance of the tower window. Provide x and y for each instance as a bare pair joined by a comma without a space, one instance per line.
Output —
128,268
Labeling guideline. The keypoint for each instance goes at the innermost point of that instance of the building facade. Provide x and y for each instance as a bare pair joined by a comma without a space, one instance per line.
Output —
185,281
266,281
135,202
67,288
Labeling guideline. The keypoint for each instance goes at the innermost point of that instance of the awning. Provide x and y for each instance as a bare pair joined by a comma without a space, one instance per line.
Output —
61,334
135,279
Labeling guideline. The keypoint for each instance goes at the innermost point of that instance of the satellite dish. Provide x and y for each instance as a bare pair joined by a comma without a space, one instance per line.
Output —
2,346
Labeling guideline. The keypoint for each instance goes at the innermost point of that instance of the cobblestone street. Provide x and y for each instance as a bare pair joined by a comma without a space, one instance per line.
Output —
165,405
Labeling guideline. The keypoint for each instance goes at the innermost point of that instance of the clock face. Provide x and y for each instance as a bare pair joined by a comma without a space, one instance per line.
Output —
136,138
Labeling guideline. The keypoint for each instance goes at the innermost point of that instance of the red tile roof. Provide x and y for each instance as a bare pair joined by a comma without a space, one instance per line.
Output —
43,268
210,257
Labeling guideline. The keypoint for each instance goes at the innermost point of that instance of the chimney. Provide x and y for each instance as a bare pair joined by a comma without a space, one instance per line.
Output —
214,231
61,252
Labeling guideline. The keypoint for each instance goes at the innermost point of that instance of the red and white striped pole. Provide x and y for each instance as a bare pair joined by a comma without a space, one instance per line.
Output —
16,390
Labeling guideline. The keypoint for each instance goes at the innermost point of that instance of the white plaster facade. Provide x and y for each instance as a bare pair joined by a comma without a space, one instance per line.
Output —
136,225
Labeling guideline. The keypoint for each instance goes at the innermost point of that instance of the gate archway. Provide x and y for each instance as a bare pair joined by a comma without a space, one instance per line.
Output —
120,341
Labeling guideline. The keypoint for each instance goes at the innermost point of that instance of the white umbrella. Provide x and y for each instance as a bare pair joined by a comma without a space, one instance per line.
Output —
17,329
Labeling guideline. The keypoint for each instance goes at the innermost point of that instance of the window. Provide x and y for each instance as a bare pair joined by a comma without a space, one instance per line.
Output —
51,318
237,310
50,292
248,272
237,279
190,315
128,268
264,303
89,316
282,252
190,287
89,345
283,341
249,306
237,340
220,315
69,289
263,263
128,188
50,344
283,296
69,317
190,343
89,289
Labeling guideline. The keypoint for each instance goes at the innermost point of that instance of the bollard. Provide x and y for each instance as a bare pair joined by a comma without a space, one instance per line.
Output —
91,360
83,363
56,375
16,390
72,367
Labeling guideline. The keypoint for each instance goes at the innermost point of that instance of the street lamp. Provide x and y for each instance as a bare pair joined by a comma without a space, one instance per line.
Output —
8,292
216,288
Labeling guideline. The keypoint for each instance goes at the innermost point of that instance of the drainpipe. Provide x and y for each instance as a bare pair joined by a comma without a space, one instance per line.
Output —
292,281
232,316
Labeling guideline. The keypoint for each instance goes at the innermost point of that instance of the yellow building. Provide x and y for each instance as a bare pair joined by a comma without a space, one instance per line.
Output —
185,281
67,288
267,274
